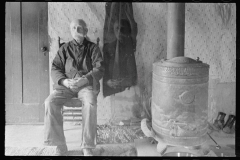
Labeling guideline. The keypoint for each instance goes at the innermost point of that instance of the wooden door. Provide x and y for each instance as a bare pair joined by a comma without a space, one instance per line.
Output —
26,64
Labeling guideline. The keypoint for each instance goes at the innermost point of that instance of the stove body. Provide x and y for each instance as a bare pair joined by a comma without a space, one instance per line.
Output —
180,101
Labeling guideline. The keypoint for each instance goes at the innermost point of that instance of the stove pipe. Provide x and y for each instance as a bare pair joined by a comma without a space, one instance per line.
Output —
175,30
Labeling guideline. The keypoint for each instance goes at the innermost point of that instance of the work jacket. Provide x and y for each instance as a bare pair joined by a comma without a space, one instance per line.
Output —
75,60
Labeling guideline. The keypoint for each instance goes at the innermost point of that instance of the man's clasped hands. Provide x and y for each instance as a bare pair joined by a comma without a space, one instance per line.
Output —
76,83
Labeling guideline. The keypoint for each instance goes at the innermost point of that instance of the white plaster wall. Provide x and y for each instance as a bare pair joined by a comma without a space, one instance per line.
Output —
206,37
211,36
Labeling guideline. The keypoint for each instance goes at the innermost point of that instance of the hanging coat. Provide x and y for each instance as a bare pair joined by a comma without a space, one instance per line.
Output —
120,31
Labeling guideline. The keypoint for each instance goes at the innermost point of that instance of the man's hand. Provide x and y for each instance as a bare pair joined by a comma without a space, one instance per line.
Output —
75,84
68,82
78,82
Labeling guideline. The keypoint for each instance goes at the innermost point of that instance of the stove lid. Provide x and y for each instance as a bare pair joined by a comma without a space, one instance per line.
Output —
182,62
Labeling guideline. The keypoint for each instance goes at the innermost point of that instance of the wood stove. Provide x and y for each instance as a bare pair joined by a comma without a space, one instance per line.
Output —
179,103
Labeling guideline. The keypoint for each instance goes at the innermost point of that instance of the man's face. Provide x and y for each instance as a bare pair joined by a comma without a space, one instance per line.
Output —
78,30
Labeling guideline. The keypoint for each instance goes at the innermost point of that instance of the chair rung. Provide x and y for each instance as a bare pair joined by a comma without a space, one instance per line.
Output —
65,107
72,115
76,120
72,110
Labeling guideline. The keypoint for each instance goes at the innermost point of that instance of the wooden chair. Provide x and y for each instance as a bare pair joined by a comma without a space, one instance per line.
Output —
72,110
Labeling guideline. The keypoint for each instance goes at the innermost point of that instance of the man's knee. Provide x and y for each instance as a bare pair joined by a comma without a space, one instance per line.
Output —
52,103
88,98
54,99
49,99
90,103
48,103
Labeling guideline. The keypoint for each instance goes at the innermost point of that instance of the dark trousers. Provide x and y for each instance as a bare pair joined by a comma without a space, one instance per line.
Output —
53,121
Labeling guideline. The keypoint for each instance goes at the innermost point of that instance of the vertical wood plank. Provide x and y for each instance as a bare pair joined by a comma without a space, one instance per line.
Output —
43,58
30,52
16,79
8,60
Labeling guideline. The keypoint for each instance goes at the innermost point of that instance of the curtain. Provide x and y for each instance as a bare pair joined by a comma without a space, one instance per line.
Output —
120,31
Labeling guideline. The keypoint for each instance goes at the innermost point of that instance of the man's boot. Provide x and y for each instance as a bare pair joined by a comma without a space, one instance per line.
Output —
61,150
87,152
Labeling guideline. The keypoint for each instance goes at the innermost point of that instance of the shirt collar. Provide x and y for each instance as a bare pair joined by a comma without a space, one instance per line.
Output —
77,44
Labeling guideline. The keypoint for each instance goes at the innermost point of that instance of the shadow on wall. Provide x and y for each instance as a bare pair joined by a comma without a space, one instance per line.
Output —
143,90
94,10
224,11
144,103
140,108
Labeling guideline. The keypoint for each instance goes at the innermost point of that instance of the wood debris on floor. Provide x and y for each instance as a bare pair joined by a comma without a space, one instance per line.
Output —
108,134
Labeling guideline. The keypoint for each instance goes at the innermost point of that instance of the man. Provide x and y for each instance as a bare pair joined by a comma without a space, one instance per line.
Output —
76,71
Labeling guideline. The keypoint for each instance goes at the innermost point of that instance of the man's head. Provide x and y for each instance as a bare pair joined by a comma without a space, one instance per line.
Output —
78,29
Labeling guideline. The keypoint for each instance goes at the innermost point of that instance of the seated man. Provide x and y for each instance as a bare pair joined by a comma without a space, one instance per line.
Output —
76,71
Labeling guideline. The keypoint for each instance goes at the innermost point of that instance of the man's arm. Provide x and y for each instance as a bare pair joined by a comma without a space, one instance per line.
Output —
98,66
58,68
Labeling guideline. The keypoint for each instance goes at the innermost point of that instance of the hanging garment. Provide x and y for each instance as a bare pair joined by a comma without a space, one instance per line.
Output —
120,31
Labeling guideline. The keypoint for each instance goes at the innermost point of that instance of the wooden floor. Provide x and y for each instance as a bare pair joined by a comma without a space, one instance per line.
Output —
26,136
32,136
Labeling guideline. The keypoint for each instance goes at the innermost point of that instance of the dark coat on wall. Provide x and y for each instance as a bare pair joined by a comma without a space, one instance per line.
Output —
120,32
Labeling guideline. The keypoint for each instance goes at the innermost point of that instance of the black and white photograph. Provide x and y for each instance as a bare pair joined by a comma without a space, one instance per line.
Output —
114,79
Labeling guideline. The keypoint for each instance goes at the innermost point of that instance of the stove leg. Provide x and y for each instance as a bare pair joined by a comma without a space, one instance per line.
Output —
161,148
